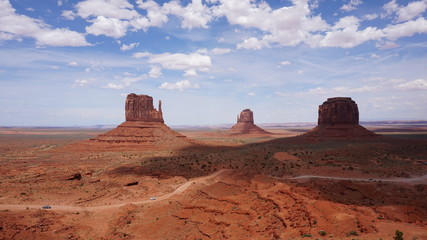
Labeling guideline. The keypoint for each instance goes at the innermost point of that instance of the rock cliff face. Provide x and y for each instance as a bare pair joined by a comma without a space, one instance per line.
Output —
246,116
144,129
339,119
338,110
245,124
140,108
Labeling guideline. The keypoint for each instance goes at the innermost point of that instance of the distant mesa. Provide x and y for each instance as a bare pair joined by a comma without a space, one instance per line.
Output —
339,118
144,129
245,124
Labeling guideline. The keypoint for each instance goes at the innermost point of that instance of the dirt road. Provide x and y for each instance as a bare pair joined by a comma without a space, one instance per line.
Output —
178,190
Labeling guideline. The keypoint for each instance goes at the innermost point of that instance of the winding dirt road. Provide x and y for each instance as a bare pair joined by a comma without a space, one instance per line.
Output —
178,190
412,180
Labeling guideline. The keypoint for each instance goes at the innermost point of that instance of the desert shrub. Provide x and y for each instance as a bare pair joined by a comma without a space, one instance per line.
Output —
306,235
352,233
322,233
398,236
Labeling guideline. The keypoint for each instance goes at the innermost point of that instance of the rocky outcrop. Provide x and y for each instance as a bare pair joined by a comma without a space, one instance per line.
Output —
144,129
246,116
140,108
339,119
245,124
338,110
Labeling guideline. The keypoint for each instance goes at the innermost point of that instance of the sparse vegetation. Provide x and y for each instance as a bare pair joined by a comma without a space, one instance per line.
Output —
398,235
352,233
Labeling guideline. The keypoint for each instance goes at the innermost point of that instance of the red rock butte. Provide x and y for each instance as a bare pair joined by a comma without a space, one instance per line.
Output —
144,129
339,118
245,124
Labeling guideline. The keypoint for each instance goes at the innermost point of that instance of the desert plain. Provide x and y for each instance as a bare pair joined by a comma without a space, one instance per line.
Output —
222,186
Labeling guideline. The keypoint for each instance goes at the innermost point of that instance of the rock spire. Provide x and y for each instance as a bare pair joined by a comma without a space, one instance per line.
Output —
245,124
140,108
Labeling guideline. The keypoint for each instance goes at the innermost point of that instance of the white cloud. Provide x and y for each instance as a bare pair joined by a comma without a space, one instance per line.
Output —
114,86
252,43
387,45
181,85
351,5
141,54
179,61
220,51
74,64
30,9
194,15
418,84
69,15
128,47
129,79
155,72
156,17
83,82
119,9
111,27
15,26
370,16
190,73
406,29
410,11
287,26
285,63
345,34
251,94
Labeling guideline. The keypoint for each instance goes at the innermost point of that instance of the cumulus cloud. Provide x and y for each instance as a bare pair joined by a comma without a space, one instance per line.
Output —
252,43
111,27
405,13
180,86
346,34
155,72
178,61
406,29
68,14
74,64
418,84
194,15
155,17
128,47
16,26
119,9
114,86
351,5
251,94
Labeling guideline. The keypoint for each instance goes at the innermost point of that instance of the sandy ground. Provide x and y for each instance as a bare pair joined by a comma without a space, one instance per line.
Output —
239,187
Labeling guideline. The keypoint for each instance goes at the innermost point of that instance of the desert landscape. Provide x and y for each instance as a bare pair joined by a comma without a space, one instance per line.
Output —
143,180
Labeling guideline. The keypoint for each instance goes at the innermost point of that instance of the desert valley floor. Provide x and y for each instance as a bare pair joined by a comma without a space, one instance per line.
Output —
282,186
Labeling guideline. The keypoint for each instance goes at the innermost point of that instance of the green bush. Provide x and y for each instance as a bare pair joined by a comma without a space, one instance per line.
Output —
322,233
352,233
398,236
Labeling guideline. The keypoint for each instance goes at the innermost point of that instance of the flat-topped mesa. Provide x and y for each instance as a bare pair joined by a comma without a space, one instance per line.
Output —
338,110
140,108
246,116
339,119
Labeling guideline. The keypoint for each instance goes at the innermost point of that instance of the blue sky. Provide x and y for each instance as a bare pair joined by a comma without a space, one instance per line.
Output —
65,63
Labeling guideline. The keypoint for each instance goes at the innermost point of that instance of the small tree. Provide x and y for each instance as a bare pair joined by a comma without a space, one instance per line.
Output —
398,236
